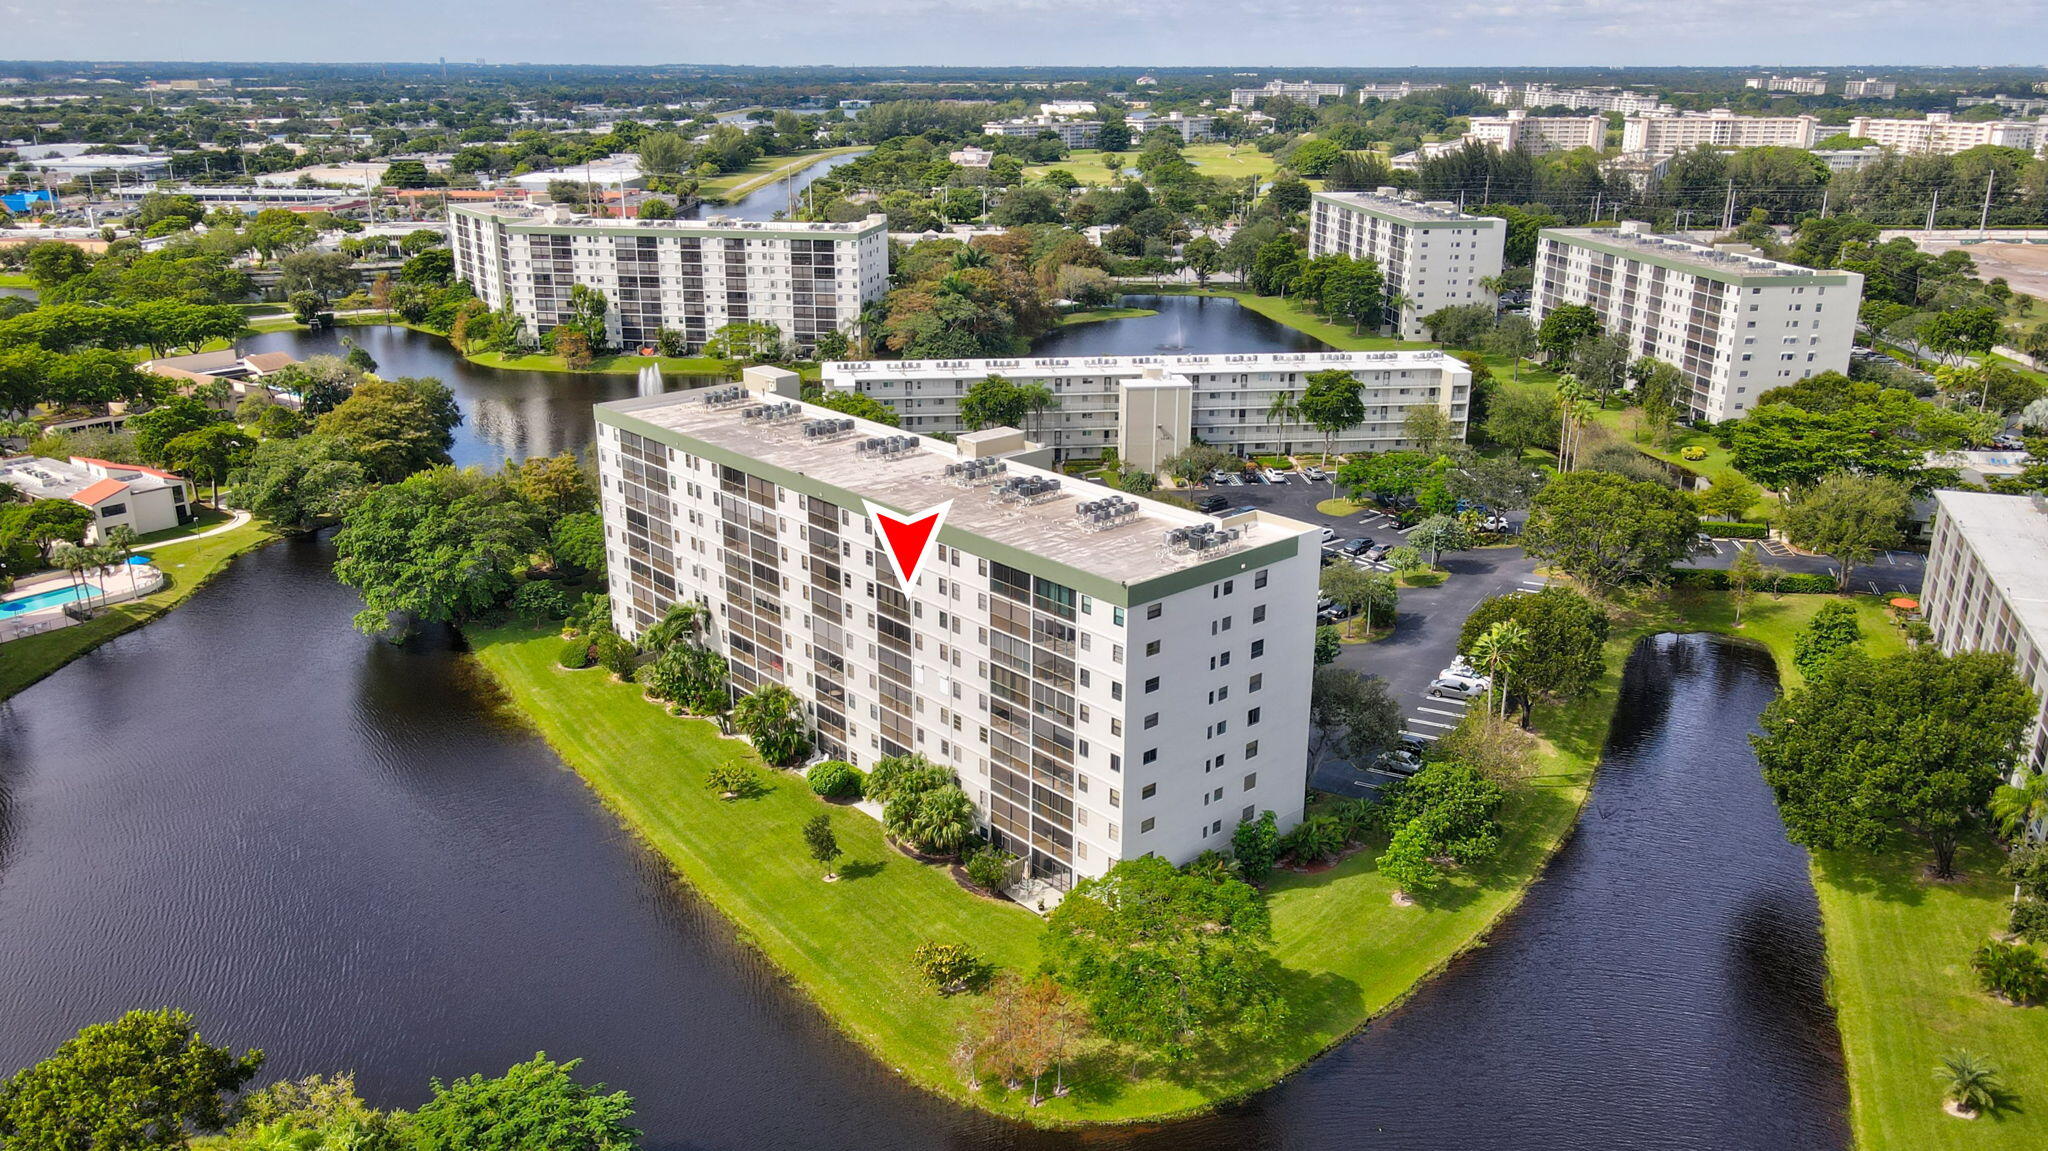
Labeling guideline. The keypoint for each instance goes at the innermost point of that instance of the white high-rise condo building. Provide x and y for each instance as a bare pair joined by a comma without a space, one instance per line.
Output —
1393,91
1109,677
1147,408
690,276
1587,99
1433,255
1940,132
1870,90
1735,325
1192,128
1797,85
1072,133
1303,91
1986,590
1668,133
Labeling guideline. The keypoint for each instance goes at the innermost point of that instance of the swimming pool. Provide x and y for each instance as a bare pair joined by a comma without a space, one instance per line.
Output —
55,597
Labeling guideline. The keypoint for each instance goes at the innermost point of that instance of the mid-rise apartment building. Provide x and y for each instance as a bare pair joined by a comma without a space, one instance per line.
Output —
1518,131
1147,408
690,276
1668,133
1071,132
1986,589
1870,90
1393,91
1432,255
1194,129
1797,85
1735,325
1940,132
1302,91
1587,99
1109,677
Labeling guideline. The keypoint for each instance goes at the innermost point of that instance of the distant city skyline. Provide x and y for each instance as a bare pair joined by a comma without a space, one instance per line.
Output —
1286,33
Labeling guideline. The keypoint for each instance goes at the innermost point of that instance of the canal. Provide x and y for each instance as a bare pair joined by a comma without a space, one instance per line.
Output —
347,854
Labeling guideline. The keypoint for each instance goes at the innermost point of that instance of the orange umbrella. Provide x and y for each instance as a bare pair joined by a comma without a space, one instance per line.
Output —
1905,603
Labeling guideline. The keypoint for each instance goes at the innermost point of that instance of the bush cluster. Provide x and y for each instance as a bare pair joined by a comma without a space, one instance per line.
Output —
834,779
576,653
1735,531
1790,583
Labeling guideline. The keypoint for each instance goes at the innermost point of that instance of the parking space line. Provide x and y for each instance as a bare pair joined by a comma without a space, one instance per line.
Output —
1434,711
1433,723
1429,735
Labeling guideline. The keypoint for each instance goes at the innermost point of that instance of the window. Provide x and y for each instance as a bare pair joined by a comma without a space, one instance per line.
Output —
1116,689
1151,755
1146,826
1151,685
1116,616
1151,789
1151,721
1246,817
1116,762
1259,614
109,511
1251,780
1251,718
1251,749
1258,649
1152,648
1257,682
1152,611
1116,798
1259,580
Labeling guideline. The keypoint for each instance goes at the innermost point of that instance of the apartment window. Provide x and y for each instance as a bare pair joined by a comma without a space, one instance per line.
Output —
1258,649
1116,654
1152,648
1256,682
1116,689
1246,815
1151,789
1116,726
1116,762
1151,685
1251,780
1151,755
1146,826
1116,616
1151,721
1251,749
1259,614
1152,611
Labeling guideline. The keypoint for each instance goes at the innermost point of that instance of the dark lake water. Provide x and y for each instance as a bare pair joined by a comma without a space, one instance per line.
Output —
343,852
762,203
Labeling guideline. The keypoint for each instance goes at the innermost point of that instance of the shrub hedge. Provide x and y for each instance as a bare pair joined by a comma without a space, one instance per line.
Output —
1790,583
576,653
1736,531
834,779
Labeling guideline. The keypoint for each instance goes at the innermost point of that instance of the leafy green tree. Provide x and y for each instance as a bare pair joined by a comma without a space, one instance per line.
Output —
577,539
773,718
860,405
1522,418
396,427
1204,257
1564,328
936,820
156,428
1351,716
1731,497
535,1105
1369,594
1831,632
1565,652
1439,534
210,454
1608,530
143,1080
997,402
1332,401
1446,811
298,485
1328,645
1913,743
1955,334
1848,517
1170,962
324,275
1502,483
822,844
1256,844
441,546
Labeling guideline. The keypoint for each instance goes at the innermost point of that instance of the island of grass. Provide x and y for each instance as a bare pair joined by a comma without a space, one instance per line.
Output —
1349,952
187,565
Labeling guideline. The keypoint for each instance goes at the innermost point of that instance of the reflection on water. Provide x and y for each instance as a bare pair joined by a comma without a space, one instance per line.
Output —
1194,325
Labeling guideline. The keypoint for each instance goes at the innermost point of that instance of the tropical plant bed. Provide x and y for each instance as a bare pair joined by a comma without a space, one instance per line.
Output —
1348,952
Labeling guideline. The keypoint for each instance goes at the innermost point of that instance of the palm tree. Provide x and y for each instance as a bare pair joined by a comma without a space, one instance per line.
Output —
1039,399
1393,304
2018,808
1493,286
1284,410
1969,1084
121,543
971,257
1496,650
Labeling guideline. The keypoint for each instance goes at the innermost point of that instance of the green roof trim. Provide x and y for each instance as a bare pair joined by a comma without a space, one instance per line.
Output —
1572,238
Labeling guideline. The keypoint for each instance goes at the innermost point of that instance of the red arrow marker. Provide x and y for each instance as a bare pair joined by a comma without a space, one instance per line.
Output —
910,538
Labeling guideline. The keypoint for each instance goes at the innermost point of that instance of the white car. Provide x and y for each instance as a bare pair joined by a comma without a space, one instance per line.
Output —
1329,533
1274,475
1314,475
1456,687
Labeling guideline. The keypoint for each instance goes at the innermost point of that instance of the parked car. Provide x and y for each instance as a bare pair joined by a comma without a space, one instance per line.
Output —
1378,552
1460,667
1213,504
1495,523
1254,477
1455,687
1329,533
1333,613
1229,479
1273,475
1314,475
1357,546
1416,745
1400,761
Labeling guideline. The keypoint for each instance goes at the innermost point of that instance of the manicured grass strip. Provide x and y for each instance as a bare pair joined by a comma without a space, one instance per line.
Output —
1350,953
16,280
1225,161
187,565
1094,315
624,365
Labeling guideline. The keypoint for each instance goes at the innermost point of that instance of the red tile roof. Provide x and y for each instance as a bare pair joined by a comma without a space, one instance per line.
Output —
100,492
159,472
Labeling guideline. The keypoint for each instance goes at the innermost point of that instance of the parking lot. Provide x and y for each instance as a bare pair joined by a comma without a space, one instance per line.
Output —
1425,636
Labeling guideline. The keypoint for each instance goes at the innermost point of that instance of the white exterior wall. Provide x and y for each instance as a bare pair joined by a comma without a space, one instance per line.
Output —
1538,135
1939,133
1230,395
1734,333
702,275
1666,134
1971,608
1435,257
667,540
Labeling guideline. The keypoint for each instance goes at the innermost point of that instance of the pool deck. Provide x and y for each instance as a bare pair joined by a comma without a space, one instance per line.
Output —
120,584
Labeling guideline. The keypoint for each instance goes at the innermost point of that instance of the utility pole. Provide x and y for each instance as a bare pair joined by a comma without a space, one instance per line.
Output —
1984,217
1824,203
1931,205
1728,210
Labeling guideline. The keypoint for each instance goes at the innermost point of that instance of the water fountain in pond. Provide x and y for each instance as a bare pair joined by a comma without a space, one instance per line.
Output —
650,381
1179,342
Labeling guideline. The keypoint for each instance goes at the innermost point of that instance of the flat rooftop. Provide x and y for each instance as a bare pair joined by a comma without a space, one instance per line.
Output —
543,217
1684,254
2010,536
1408,211
1133,365
1132,551
42,478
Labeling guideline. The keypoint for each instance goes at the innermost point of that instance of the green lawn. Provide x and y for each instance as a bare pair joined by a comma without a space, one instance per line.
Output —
1097,315
188,566
763,171
16,280
624,365
1224,161
1349,952
207,519
1627,425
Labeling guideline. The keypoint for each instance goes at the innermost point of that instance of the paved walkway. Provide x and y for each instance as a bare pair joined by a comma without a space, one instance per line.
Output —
235,520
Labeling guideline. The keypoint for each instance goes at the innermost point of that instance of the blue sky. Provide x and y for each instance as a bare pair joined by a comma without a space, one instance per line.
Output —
1294,33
